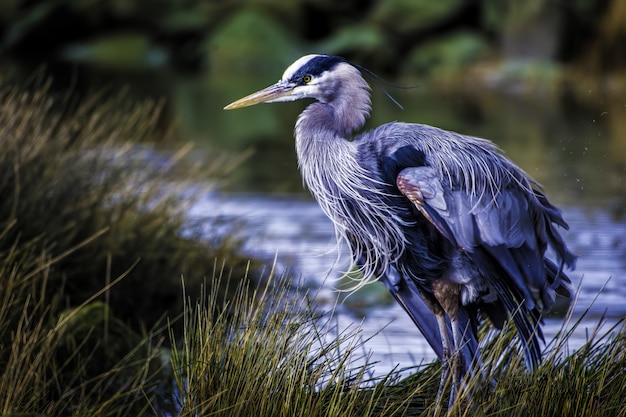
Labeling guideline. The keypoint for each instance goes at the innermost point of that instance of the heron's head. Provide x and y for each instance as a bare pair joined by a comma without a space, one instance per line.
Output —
320,77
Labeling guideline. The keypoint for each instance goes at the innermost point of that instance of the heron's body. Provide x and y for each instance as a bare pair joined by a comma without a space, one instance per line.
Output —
454,229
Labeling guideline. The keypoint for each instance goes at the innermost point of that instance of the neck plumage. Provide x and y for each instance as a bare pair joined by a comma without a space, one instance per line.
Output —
323,131
348,193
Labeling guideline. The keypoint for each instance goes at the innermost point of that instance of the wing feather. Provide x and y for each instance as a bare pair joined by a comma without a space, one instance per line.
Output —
505,225
505,234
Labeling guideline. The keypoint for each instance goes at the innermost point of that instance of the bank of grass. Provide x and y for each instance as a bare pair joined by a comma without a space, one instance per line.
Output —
71,172
275,357
268,352
94,241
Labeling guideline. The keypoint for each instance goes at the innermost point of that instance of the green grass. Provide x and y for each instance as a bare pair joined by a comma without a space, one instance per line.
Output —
275,357
270,357
92,250
588,381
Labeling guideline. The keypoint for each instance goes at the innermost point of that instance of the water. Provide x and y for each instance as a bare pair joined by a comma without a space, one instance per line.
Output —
298,234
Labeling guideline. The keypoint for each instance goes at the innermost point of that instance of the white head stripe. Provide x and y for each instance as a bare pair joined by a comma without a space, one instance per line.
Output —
300,62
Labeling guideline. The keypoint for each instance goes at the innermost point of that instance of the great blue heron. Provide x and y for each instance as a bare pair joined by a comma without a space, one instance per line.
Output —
454,230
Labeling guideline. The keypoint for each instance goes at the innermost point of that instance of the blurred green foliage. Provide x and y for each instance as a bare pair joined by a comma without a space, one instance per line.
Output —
409,15
446,55
190,35
250,42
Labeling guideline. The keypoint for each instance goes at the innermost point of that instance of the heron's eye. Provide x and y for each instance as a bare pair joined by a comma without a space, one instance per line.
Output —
306,79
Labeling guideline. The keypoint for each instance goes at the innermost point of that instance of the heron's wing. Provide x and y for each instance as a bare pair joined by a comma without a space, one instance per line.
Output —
503,226
502,233
407,295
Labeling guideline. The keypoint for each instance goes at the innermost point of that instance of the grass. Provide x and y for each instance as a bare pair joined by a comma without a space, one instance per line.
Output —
274,357
72,172
586,382
93,236
53,360
270,357
108,309
269,352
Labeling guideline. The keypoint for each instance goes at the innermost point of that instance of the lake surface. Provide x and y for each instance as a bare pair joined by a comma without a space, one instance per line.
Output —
297,233
575,148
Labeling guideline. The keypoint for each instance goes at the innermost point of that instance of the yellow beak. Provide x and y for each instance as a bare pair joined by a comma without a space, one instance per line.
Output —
280,91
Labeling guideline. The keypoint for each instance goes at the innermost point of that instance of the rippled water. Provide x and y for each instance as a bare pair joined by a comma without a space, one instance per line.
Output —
297,233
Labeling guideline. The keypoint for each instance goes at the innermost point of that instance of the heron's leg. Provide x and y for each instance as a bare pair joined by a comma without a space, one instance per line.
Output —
447,355
458,364
447,294
457,334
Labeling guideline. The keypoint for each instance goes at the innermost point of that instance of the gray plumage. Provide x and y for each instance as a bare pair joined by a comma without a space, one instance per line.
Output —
454,230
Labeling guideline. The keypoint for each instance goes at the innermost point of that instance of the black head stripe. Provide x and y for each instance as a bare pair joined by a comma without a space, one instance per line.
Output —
318,65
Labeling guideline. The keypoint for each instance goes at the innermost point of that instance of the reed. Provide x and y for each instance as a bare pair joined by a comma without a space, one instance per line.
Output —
277,356
93,236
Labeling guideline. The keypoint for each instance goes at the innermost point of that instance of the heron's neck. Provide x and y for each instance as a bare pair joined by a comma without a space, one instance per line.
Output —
324,130
323,151
348,193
